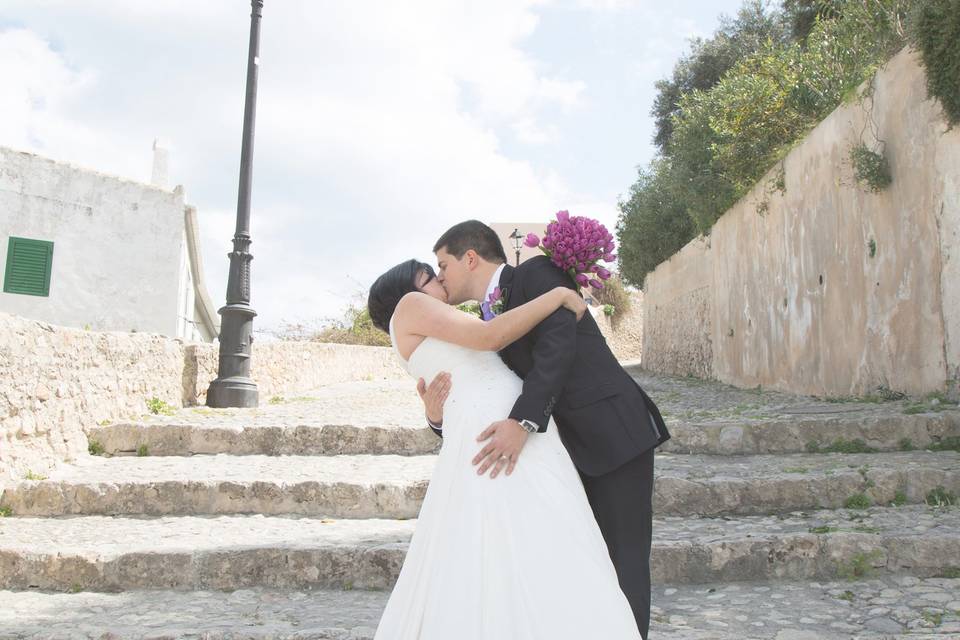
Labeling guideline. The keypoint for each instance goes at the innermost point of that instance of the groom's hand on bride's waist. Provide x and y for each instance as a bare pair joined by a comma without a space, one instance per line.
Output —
505,440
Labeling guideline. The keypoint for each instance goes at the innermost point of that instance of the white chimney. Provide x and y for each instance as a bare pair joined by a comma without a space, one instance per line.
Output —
160,164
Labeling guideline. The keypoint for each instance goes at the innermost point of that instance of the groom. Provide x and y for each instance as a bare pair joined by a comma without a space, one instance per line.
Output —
608,424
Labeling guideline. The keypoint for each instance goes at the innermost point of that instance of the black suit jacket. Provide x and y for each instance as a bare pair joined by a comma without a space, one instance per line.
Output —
605,419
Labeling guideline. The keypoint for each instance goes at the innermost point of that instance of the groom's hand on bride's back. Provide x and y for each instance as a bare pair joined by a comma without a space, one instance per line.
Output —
506,440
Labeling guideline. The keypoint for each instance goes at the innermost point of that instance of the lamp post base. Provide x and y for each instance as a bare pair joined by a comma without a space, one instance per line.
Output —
233,392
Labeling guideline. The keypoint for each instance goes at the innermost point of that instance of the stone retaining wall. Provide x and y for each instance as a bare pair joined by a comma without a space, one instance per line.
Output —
56,382
624,333
823,287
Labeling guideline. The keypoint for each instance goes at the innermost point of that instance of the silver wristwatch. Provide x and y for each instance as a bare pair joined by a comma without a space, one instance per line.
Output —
530,427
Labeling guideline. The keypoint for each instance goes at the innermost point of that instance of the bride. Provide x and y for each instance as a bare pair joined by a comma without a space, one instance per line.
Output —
519,557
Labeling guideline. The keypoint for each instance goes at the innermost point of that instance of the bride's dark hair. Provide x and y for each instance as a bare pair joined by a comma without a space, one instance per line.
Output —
386,292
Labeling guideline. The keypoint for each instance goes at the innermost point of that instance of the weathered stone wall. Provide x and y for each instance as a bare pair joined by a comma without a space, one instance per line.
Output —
624,334
826,288
678,313
284,368
56,382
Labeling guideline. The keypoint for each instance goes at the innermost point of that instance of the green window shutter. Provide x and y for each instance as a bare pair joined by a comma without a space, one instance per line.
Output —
29,263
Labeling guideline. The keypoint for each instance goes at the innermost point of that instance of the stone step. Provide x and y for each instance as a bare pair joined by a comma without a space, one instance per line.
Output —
393,486
785,610
352,418
184,439
386,417
802,434
224,553
383,486
181,437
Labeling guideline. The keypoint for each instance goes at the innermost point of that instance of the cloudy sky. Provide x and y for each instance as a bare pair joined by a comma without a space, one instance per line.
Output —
379,124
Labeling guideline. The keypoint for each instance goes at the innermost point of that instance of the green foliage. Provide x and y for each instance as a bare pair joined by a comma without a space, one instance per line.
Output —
156,406
356,328
653,223
857,501
840,445
950,443
906,444
935,32
6,512
737,103
899,499
823,529
860,565
801,16
933,617
143,451
614,297
940,497
473,308
95,448
846,595
871,170
710,59
30,475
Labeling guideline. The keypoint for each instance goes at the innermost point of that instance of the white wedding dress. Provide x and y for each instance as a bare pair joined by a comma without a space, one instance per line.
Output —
517,557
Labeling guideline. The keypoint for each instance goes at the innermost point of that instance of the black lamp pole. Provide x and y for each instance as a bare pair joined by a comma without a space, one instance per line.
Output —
233,386
515,236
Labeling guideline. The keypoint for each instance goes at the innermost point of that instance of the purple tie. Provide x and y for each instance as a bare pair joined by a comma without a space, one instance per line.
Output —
485,310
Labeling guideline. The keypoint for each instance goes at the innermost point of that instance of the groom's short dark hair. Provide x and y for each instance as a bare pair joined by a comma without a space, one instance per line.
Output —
475,235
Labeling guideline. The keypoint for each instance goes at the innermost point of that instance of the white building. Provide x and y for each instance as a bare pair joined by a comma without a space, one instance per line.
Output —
83,249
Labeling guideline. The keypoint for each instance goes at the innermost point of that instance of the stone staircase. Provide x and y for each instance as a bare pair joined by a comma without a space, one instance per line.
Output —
776,517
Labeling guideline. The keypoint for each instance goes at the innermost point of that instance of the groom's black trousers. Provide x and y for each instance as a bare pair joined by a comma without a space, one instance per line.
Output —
622,502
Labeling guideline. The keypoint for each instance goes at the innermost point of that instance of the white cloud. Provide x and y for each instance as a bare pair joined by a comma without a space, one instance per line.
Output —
377,128
379,124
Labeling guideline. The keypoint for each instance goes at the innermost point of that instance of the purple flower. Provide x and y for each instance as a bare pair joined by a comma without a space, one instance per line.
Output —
582,280
532,240
563,216
603,274
596,284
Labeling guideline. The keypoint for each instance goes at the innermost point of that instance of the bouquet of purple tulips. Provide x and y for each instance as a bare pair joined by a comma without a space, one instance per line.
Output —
576,244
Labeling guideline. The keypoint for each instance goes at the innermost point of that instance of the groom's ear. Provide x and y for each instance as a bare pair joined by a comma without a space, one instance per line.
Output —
473,259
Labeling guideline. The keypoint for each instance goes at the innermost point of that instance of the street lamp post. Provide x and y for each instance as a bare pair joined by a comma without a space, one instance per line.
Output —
517,242
233,386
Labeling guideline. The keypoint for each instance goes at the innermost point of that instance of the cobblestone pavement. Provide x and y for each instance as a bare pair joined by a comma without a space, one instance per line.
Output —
106,536
377,403
705,401
885,607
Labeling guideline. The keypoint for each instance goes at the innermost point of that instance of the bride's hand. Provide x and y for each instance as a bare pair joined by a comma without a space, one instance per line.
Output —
573,301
